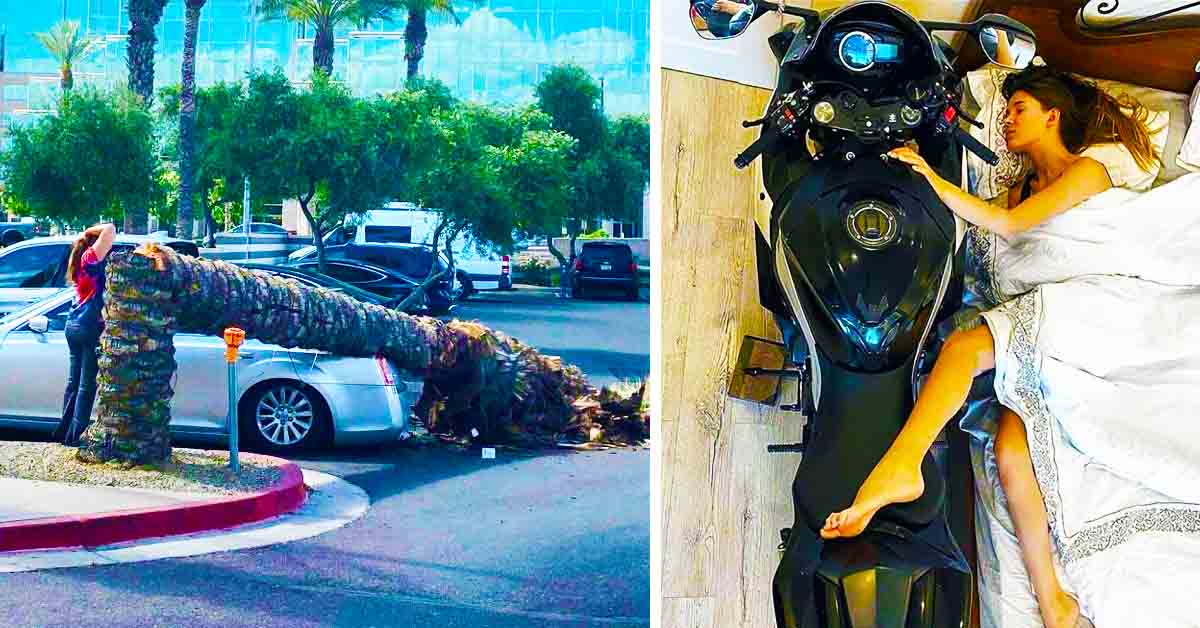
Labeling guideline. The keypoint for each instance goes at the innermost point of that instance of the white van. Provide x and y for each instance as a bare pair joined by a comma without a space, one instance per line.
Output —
401,223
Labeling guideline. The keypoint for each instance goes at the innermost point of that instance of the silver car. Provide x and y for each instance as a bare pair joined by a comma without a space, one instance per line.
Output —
288,398
35,269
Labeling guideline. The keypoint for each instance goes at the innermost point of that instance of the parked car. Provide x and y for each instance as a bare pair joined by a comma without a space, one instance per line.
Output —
34,269
288,399
341,277
260,228
14,232
476,267
605,264
409,260
481,268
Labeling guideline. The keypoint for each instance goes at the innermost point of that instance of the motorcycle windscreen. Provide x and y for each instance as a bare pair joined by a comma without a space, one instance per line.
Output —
866,244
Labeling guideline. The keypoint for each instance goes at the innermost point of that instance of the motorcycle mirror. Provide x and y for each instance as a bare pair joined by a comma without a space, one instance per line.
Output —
722,19
761,354
1009,48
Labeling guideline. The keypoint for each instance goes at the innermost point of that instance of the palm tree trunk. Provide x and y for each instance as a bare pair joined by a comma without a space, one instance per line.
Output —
143,19
187,121
475,378
323,49
415,36
66,78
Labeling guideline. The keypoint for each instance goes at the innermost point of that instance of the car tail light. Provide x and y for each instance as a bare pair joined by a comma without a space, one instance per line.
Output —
633,267
385,370
504,268
578,263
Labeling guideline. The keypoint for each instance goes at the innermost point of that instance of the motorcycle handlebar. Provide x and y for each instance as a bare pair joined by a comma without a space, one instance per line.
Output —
975,146
764,141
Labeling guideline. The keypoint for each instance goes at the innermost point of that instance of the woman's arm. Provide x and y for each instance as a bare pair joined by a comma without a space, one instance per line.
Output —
106,233
1083,179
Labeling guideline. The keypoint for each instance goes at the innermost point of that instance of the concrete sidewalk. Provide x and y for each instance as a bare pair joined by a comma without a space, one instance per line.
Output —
34,499
44,515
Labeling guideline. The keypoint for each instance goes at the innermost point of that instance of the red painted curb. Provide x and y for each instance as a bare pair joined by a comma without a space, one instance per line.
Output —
107,528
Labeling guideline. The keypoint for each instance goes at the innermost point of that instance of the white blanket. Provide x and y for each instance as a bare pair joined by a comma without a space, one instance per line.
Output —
1098,351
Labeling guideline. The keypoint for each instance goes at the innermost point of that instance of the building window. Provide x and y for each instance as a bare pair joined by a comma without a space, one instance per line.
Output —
16,93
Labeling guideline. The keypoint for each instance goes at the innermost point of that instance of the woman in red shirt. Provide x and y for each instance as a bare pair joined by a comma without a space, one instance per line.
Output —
85,269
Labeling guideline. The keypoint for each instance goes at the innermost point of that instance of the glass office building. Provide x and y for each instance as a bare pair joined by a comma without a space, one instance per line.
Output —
496,52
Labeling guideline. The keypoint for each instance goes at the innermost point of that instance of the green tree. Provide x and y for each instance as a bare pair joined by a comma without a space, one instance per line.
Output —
610,165
187,120
325,16
571,97
538,172
67,45
144,16
337,155
61,166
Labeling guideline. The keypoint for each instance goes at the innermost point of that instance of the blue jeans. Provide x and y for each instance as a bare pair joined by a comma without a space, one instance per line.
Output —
84,343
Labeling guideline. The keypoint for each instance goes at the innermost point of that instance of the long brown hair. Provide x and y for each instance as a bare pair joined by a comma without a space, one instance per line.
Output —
1089,114
77,249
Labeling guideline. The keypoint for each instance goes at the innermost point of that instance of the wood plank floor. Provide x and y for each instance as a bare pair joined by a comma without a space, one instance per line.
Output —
724,498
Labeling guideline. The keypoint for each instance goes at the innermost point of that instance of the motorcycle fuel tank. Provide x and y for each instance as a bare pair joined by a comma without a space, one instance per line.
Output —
866,243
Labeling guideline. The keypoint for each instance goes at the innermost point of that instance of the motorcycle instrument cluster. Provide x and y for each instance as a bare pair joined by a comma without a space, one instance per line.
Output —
860,50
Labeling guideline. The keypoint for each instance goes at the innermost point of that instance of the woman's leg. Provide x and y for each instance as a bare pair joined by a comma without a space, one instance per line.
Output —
897,477
86,397
72,391
1028,511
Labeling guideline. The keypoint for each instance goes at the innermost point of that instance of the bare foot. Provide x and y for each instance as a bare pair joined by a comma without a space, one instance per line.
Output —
890,482
1062,612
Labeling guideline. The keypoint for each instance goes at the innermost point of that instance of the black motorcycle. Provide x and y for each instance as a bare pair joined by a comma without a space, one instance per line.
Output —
859,266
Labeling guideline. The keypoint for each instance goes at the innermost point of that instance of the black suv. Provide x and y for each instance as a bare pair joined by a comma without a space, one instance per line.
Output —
410,260
605,264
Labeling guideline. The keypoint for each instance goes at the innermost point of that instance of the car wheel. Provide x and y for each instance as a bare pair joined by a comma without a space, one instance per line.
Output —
284,416
466,287
633,293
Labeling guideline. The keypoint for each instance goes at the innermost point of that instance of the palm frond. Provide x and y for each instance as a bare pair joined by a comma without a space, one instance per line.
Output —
65,43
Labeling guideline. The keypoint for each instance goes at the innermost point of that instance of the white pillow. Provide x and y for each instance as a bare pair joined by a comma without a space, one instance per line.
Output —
1122,168
986,180
1189,152
992,182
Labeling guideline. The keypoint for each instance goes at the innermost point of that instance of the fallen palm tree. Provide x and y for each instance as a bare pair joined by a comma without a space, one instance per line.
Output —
476,378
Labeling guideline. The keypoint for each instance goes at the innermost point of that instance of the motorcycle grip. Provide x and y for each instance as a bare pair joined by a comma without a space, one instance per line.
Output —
977,147
752,151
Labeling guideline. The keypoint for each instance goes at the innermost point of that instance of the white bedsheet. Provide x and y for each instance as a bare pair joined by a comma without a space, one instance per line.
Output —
1098,351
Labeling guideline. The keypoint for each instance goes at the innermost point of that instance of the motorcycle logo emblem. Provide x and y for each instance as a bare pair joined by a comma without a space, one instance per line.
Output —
872,224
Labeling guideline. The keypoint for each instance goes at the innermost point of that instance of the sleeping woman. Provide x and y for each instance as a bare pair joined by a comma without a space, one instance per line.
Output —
1094,339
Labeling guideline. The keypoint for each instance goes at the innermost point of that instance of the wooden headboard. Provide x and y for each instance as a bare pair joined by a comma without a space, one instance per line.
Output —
1165,60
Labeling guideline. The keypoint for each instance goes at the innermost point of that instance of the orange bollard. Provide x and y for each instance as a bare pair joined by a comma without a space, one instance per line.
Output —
233,339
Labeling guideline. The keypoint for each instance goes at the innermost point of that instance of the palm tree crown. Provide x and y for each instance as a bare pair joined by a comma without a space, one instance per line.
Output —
324,16
67,45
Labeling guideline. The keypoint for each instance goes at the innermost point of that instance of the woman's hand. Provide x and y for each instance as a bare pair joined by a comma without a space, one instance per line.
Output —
728,6
913,158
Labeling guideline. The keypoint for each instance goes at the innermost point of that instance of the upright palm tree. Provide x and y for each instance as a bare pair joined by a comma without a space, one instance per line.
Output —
416,33
325,16
187,120
67,45
144,16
